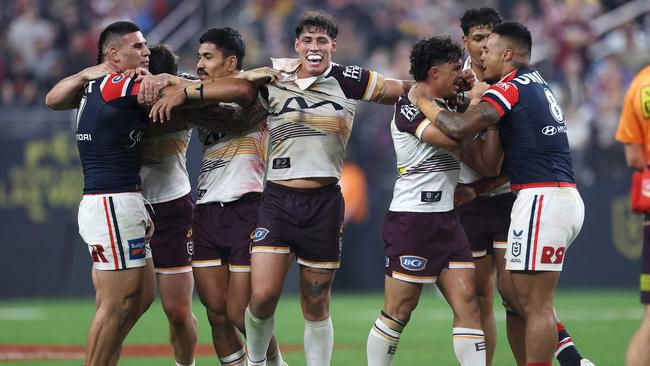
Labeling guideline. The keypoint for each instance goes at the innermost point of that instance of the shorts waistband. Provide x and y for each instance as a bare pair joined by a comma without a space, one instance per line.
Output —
250,196
135,190
327,188
542,185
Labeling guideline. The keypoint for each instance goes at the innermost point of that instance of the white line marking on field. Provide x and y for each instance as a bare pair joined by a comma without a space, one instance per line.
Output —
23,314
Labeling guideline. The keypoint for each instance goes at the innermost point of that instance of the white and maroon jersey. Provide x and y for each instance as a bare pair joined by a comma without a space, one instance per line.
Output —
310,120
469,175
426,174
233,164
163,172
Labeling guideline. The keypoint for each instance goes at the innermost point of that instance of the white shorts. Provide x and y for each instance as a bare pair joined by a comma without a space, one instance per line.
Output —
114,225
543,223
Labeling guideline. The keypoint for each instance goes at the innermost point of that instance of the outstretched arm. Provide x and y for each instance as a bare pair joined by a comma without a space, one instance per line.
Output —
66,94
392,90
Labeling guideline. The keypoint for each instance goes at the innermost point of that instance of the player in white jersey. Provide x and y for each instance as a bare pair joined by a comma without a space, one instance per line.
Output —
424,242
311,110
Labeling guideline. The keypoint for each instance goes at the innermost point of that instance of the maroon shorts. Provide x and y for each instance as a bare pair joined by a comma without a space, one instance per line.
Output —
222,233
645,262
419,245
307,222
486,221
171,244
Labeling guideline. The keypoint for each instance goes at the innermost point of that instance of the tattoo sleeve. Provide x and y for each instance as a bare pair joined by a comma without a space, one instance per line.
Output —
462,125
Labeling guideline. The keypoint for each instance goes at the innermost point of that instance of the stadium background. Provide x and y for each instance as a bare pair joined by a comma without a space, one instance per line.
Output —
588,50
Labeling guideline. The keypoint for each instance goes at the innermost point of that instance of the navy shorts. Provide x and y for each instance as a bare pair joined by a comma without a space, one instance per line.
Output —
486,221
307,222
171,244
418,245
222,233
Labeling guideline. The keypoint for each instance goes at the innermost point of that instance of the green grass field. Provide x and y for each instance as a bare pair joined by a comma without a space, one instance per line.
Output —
601,323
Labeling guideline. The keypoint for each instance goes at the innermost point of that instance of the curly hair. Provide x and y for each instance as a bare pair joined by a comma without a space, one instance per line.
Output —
318,21
479,17
431,52
228,41
112,31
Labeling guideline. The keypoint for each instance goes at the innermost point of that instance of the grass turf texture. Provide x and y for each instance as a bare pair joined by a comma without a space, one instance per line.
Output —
601,323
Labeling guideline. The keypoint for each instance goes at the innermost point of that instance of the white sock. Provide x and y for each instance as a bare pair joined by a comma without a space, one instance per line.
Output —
258,336
319,341
275,360
236,359
382,344
180,364
469,346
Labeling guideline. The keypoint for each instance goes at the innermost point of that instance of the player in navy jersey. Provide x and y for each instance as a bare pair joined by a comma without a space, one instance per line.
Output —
113,220
548,212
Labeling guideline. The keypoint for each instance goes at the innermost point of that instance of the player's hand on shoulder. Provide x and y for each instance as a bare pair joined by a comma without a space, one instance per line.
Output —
463,194
138,73
415,94
97,71
468,79
260,76
171,97
150,88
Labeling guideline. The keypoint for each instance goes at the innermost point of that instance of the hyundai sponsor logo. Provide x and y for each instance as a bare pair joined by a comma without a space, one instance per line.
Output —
552,130
412,262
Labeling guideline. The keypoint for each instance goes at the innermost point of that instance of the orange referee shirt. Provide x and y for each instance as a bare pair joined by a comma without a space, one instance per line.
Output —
634,125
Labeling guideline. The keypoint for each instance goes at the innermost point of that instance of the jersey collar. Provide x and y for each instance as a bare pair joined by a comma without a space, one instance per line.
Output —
289,68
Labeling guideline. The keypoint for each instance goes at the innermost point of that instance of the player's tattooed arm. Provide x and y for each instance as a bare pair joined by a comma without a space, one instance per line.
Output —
462,125
392,90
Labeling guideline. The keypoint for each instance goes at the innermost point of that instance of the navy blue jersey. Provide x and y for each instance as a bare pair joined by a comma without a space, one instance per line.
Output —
532,130
110,124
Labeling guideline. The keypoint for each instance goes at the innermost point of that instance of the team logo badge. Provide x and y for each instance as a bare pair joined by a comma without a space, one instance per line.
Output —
412,262
137,248
117,79
259,234
409,111
516,249
352,72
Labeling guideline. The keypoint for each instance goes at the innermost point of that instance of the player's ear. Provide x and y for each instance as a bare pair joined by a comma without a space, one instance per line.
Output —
231,63
296,44
433,73
333,45
508,54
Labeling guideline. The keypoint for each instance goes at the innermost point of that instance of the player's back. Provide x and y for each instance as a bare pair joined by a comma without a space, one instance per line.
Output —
110,125
532,129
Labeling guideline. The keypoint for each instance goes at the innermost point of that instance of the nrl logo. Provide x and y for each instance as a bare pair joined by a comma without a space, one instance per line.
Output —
516,249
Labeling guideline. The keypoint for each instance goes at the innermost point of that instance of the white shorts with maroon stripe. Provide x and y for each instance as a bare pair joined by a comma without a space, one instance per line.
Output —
114,225
543,223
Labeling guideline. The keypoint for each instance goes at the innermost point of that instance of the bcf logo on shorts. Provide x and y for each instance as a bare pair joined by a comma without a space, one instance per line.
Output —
259,234
552,254
136,248
412,262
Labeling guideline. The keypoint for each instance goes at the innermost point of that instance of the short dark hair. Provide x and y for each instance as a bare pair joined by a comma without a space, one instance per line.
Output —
516,33
317,20
162,60
113,30
228,41
431,52
479,17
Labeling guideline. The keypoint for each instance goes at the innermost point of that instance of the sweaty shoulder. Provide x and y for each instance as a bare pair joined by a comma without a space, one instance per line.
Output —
118,86
409,118
356,82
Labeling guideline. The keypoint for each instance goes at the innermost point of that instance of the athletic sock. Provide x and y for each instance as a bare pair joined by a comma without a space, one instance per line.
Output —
319,341
180,364
276,359
566,352
469,346
236,359
383,340
539,363
258,336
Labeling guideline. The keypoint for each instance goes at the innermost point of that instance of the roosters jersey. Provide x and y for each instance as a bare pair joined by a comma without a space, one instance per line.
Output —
110,125
426,174
532,130
163,173
310,120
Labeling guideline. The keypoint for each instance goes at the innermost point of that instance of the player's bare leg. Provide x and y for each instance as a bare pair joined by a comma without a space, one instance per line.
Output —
534,293
400,299
637,351
485,288
515,324
176,296
239,294
315,295
119,295
268,271
458,287
212,288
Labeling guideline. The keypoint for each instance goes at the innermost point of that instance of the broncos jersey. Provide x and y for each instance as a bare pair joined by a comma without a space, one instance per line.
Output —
426,174
310,120
110,125
532,130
